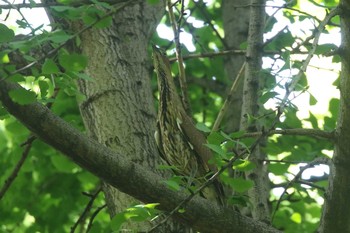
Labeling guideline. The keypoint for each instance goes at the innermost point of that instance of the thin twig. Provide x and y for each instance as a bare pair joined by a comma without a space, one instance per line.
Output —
283,161
230,52
305,182
86,210
238,155
208,19
298,132
23,17
16,169
296,177
52,4
268,41
182,74
228,100
197,191
93,217
292,85
29,5
28,145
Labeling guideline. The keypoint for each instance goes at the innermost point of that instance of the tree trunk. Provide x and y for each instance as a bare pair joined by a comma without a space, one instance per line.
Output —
235,22
119,109
336,214
259,194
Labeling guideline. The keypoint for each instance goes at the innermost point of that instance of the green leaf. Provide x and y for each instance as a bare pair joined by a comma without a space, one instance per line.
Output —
50,67
238,200
61,8
136,213
87,179
336,59
29,58
3,113
217,149
22,96
246,165
278,169
312,100
4,58
103,23
286,58
84,76
44,87
215,138
202,127
152,1
151,205
302,83
313,120
323,49
62,163
296,217
174,183
73,62
268,95
59,37
16,78
117,221
237,134
6,34
182,210
241,185
102,4
22,24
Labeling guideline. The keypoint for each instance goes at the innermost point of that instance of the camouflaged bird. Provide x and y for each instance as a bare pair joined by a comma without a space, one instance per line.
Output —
180,143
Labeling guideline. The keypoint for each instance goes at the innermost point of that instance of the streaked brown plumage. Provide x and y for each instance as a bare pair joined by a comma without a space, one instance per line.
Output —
180,143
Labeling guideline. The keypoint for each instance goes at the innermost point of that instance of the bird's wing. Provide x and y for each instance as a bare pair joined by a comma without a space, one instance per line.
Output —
197,140
159,142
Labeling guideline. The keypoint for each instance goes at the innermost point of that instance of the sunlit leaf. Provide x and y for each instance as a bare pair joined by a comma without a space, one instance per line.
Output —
296,217
246,165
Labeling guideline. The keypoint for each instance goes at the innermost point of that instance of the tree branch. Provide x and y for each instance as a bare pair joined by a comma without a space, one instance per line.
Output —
18,166
119,171
298,132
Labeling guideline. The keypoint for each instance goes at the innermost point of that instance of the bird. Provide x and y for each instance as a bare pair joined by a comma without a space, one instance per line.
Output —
180,143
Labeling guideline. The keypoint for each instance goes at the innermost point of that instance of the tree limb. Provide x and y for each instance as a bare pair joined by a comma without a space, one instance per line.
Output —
119,171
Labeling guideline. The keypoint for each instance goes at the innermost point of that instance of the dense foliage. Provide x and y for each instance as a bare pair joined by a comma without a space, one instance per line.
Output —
50,193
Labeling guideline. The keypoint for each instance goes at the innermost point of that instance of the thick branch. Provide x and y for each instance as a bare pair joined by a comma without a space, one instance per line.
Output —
336,212
122,173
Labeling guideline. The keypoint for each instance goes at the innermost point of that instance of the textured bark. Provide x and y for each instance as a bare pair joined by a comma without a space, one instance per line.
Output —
259,194
235,22
121,172
336,214
119,109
